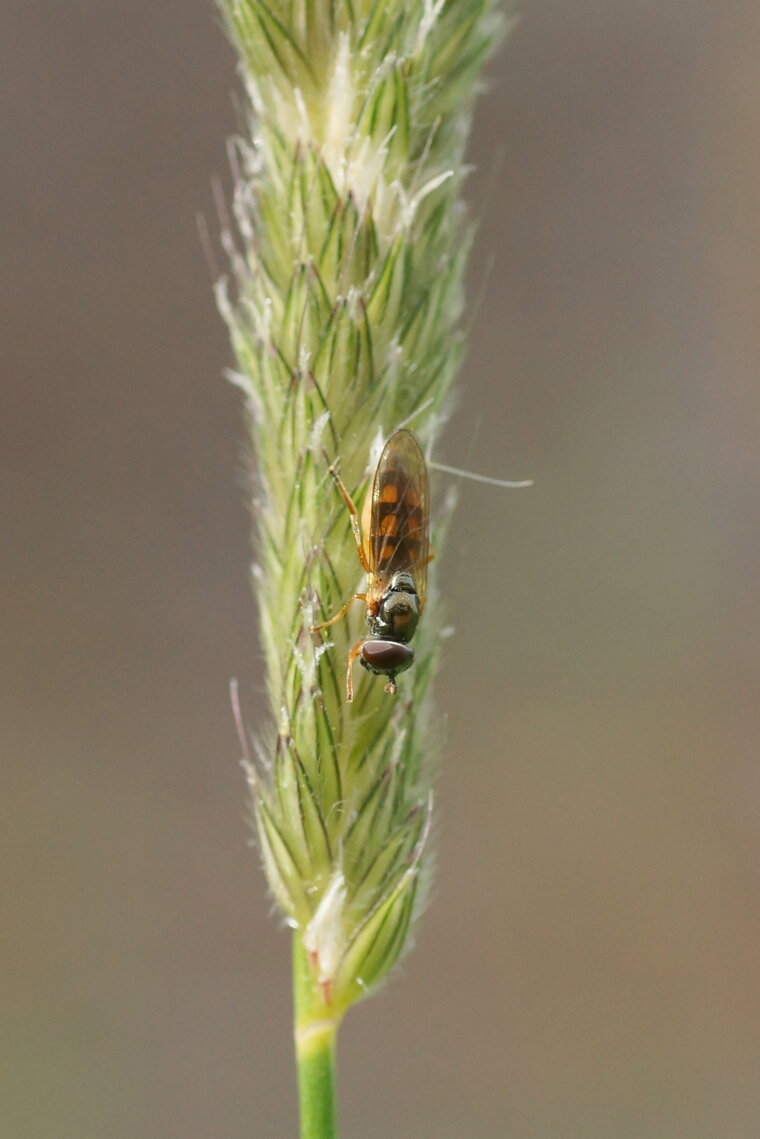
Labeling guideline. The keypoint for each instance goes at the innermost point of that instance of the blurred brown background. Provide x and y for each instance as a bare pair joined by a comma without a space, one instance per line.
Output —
588,968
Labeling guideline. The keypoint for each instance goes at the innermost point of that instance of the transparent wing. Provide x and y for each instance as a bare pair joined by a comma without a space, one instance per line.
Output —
399,537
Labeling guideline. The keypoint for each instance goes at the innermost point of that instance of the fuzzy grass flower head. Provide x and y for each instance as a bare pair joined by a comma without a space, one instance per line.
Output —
343,305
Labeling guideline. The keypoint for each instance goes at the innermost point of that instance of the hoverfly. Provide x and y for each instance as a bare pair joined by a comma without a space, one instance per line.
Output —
394,549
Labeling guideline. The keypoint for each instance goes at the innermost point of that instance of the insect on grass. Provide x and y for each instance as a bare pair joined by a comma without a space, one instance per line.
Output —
393,544
344,302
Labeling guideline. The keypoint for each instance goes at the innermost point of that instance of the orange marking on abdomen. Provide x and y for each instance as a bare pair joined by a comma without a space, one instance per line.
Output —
389,493
389,524
387,552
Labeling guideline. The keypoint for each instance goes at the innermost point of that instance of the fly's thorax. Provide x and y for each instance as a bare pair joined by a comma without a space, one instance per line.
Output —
398,610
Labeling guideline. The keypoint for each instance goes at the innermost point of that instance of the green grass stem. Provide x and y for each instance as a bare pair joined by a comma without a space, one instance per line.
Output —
316,1029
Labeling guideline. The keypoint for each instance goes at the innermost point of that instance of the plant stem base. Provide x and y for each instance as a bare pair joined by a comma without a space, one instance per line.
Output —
315,1035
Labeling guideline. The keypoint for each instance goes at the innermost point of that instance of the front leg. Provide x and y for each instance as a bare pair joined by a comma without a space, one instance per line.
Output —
341,613
350,668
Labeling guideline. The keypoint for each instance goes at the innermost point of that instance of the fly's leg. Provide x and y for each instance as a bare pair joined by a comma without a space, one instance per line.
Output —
342,612
350,667
354,515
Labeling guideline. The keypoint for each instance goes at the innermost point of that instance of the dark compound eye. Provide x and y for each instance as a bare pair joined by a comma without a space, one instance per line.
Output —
386,656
